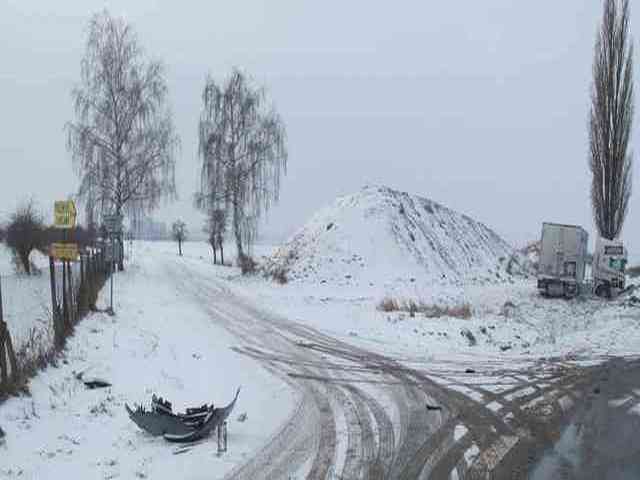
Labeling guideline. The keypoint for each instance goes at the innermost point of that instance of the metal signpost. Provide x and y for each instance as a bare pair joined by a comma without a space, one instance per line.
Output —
113,225
64,219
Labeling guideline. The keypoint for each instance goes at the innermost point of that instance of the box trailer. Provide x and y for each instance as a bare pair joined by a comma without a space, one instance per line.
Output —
563,259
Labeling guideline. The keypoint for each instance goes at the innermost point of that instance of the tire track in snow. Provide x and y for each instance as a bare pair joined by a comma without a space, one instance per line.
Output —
425,442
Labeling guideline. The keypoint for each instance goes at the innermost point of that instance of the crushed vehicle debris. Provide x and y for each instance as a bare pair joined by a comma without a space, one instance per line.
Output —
196,423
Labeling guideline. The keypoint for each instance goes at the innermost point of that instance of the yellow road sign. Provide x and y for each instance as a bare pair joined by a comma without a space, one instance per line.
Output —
65,251
64,214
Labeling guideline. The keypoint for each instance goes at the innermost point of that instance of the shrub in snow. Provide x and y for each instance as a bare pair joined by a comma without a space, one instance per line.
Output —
247,264
466,333
430,311
508,309
280,276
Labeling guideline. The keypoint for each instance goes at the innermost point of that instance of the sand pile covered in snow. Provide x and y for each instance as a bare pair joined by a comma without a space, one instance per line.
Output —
381,236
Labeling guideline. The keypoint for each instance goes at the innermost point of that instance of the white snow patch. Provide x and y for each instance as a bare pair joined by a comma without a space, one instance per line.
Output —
533,403
472,394
471,454
619,402
520,393
494,406
499,387
459,432
566,403
635,409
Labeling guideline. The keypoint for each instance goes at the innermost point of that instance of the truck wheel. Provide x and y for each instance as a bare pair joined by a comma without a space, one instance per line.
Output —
603,291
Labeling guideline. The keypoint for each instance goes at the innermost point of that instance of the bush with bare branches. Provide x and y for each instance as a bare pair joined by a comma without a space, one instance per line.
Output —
25,234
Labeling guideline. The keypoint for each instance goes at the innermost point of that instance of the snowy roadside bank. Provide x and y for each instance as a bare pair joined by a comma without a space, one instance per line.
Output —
162,342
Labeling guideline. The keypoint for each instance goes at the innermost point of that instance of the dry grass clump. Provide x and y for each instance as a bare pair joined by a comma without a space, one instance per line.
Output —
280,276
389,305
413,307
247,264
34,354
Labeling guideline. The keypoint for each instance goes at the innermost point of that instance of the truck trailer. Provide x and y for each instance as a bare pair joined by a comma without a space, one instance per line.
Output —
563,259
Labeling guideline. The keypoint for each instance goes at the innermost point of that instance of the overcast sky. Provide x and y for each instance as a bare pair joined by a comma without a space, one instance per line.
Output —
479,105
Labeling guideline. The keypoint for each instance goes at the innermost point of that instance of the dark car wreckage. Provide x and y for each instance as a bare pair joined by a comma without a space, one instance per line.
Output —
195,424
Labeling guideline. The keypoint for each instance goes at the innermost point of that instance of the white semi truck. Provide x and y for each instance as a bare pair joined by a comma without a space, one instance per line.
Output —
564,259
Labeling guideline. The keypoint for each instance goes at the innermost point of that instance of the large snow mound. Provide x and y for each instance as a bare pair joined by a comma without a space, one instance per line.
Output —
381,236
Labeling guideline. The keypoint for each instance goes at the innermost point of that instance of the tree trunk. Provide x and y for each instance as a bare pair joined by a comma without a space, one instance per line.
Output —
11,354
120,254
180,247
221,255
237,231
215,256
4,373
24,258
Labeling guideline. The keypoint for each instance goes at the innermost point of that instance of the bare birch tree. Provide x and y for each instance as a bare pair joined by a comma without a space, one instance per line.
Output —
611,120
242,144
122,142
216,229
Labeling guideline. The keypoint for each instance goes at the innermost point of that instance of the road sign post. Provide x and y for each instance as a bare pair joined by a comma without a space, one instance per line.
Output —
113,225
64,218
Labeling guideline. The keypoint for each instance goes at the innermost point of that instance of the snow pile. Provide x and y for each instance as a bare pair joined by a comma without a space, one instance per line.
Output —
381,236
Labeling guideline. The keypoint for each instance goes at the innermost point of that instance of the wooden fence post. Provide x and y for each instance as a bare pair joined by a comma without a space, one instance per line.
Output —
81,270
72,294
65,312
10,353
1,311
55,310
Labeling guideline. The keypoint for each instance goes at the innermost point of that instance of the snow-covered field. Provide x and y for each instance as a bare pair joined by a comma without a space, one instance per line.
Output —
26,299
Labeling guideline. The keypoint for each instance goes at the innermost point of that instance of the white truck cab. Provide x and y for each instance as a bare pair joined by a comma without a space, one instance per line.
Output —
608,268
